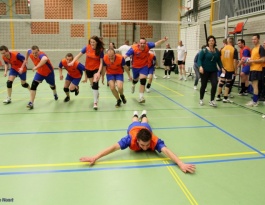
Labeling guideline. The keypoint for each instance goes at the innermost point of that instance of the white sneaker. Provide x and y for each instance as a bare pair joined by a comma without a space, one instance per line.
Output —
185,79
144,112
263,116
201,102
7,100
141,100
181,78
135,113
195,87
168,77
252,104
155,76
133,88
95,107
227,100
212,103
148,90
165,76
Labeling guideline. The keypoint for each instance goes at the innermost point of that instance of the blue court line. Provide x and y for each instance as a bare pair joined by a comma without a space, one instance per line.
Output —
114,130
93,169
212,124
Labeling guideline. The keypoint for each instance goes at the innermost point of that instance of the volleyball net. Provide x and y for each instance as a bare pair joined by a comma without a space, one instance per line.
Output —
58,37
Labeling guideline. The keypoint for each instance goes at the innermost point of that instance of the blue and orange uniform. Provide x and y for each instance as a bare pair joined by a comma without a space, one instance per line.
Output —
46,71
16,60
114,70
75,71
245,52
151,63
131,141
140,59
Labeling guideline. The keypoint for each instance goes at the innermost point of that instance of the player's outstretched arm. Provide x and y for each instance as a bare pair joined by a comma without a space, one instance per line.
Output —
163,40
101,154
184,167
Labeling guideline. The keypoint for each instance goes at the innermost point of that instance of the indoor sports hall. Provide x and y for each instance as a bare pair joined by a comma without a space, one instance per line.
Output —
40,148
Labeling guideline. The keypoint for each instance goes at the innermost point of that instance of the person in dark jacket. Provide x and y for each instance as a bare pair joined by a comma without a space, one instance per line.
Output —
168,60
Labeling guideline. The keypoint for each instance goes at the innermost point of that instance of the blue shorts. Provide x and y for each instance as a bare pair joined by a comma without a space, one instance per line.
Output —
151,70
75,81
137,71
144,124
115,77
246,70
49,79
22,76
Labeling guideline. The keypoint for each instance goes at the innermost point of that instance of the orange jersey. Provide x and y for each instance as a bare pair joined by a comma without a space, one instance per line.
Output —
92,60
151,60
73,71
140,57
116,67
134,144
45,69
255,55
15,61
228,55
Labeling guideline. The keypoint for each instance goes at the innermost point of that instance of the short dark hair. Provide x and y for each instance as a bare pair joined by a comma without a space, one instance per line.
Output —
242,41
225,41
3,48
209,37
144,135
257,35
69,55
35,48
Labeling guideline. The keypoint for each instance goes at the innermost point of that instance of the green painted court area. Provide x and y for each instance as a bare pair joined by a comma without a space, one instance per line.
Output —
40,148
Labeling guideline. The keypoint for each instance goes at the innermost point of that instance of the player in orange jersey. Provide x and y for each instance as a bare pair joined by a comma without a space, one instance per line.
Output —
114,65
94,61
74,75
139,53
45,71
15,60
141,138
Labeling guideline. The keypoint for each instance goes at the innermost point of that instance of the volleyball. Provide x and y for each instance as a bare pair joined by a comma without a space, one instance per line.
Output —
245,59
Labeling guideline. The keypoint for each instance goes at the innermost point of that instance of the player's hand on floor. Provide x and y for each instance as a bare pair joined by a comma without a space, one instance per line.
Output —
91,160
188,168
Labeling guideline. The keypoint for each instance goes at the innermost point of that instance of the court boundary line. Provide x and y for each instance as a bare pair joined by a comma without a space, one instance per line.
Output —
181,184
90,169
127,161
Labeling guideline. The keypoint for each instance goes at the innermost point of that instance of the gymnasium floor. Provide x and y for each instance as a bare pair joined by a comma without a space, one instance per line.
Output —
40,148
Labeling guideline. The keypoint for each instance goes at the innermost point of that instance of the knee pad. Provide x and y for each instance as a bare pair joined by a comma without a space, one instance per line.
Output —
95,86
25,85
53,88
66,90
143,81
135,81
228,84
34,85
73,90
221,84
9,84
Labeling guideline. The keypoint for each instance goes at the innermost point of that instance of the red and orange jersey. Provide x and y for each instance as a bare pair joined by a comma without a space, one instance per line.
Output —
134,144
45,69
16,60
115,67
75,70
92,60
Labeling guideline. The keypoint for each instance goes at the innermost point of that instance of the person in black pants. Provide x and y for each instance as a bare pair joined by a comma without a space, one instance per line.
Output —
207,62
168,60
